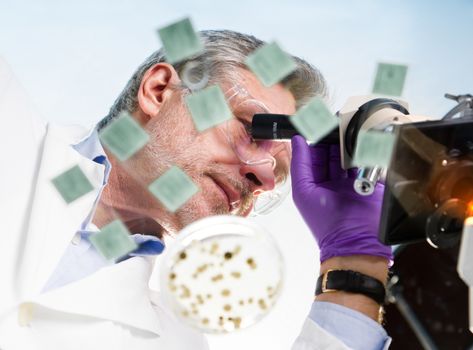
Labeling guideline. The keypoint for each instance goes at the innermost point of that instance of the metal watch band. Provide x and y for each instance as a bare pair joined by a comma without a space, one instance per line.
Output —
352,282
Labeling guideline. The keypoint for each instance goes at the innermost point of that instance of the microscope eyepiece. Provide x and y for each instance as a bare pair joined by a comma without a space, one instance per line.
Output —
278,127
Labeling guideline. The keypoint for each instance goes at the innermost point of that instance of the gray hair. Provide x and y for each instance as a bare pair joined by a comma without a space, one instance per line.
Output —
224,50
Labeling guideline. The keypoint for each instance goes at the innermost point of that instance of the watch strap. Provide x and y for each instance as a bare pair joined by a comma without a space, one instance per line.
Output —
352,282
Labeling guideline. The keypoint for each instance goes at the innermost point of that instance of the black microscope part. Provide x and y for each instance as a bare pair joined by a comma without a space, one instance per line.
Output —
278,127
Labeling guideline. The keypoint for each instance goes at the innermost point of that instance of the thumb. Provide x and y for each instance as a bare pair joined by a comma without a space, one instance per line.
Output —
309,165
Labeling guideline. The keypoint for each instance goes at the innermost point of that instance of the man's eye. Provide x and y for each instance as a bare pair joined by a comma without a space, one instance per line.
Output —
247,126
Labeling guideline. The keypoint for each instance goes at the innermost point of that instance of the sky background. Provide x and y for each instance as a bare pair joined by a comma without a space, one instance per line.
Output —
74,58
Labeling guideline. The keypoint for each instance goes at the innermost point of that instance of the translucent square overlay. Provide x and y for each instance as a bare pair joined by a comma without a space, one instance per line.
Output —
270,64
374,148
180,41
123,136
314,120
208,107
72,184
390,79
113,241
173,189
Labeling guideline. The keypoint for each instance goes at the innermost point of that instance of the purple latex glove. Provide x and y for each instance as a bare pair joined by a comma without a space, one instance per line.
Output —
342,221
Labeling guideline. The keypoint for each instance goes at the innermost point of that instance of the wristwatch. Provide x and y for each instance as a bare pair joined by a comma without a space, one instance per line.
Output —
352,282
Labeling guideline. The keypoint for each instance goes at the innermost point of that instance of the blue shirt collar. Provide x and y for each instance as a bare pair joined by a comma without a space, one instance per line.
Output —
91,148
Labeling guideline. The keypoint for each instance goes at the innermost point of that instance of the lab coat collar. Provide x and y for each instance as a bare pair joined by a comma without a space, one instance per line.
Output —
118,292
53,223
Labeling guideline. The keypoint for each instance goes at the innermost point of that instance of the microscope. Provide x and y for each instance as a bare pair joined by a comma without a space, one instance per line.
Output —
360,113
426,208
426,216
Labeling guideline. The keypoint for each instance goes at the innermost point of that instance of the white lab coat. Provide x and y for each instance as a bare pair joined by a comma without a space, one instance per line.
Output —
110,309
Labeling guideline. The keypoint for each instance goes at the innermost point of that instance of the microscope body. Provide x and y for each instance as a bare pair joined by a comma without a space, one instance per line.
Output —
465,263
365,113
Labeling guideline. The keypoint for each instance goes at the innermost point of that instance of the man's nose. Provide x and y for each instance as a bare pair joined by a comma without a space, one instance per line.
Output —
261,176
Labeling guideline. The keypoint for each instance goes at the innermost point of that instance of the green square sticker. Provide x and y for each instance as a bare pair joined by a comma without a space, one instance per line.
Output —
180,41
113,241
314,120
123,136
373,148
208,107
72,184
173,188
270,64
390,79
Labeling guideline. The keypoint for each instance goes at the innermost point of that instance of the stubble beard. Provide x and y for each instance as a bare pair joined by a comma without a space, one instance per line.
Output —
173,142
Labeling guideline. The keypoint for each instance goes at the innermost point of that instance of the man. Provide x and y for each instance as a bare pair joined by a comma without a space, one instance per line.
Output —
60,293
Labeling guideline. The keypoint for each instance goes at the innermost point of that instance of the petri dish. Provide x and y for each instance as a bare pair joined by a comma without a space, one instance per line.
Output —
222,274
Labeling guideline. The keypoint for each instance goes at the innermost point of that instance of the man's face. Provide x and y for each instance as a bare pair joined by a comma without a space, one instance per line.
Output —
227,184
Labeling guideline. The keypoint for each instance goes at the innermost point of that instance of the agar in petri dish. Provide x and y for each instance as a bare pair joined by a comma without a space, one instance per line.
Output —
222,274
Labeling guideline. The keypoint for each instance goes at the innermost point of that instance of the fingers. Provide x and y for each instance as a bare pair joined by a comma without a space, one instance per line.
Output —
319,156
335,164
352,173
309,165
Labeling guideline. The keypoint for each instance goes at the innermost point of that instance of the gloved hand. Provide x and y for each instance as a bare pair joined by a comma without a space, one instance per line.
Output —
342,221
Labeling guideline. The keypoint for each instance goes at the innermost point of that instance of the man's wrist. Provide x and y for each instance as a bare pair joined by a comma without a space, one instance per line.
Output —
376,267
373,266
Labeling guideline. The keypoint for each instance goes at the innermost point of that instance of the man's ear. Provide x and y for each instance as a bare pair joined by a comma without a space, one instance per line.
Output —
156,87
